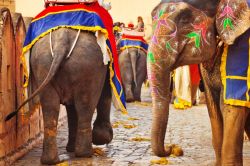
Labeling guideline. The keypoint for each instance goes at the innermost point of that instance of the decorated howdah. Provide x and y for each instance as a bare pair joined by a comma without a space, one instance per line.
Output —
84,17
129,41
235,71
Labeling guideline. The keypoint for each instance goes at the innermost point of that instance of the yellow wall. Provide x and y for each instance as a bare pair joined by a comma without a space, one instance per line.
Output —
29,7
122,10
128,10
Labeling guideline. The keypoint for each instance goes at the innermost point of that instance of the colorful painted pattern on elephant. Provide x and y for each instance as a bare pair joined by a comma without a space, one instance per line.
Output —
166,40
161,40
233,19
199,34
161,20
165,31
80,17
133,42
235,71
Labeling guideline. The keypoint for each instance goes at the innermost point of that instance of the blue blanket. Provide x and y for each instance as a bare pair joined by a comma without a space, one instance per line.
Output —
235,72
81,17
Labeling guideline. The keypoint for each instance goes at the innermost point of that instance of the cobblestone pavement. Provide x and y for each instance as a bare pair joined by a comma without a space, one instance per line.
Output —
190,129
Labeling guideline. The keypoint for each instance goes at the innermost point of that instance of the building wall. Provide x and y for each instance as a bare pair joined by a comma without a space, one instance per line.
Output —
9,4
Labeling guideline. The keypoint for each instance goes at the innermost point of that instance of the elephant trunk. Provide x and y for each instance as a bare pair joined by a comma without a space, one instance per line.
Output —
133,57
160,89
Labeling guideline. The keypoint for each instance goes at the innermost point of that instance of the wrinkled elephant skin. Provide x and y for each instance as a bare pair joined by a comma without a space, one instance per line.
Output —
81,83
133,67
185,33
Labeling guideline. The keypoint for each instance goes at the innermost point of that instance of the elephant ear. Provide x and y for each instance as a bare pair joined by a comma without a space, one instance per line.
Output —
232,19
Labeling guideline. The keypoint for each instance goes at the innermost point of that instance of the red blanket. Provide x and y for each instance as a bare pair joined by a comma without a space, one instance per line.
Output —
107,21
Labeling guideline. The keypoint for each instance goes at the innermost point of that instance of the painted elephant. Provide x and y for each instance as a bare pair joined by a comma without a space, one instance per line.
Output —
80,82
185,33
133,67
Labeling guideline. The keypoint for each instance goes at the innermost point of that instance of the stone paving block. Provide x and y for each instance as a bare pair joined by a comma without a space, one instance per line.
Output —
190,129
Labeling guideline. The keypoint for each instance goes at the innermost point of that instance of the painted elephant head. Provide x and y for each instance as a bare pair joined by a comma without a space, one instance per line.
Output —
181,31
184,33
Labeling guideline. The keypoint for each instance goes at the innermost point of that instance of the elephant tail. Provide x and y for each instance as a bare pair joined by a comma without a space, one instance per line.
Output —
133,58
57,60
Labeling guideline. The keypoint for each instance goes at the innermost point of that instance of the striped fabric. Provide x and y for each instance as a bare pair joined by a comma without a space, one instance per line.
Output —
90,17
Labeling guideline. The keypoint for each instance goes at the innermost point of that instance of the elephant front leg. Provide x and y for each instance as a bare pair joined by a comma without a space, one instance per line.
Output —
72,127
213,105
234,123
50,107
102,130
212,93
247,126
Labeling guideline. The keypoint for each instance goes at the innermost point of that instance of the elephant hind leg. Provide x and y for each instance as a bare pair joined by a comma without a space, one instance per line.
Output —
137,91
141,74
234,124
102,130
247,126
50,107
85,110
72,127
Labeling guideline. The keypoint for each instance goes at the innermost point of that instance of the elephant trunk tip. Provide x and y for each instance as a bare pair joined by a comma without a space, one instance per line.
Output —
162,152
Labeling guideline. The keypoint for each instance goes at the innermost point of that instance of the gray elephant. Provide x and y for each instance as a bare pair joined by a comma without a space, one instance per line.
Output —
73,62
133,68
81,83
185,33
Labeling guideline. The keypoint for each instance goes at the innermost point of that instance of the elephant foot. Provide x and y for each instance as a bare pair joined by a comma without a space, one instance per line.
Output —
130,99
102,133
129,96
47,159
138,99
70,147
86,153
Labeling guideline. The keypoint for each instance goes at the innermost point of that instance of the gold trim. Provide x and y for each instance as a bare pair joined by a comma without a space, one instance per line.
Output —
64,11
94,29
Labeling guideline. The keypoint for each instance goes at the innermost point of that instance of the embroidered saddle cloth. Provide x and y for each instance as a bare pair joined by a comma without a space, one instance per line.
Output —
235,71
91,17
128,41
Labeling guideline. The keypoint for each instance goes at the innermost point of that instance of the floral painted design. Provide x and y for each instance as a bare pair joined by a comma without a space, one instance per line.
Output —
232,19
199,34
228,16
161,20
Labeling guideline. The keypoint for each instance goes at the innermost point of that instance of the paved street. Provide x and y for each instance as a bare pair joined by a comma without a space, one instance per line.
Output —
190,129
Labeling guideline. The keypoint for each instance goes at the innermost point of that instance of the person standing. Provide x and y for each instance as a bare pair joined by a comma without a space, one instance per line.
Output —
140,24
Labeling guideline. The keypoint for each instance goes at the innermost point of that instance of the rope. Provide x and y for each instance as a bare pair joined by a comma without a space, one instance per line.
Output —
72,48
74,44
50,43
